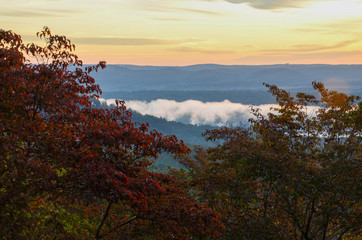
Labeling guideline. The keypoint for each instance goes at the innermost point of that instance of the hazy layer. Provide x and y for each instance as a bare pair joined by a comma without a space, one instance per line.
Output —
196,112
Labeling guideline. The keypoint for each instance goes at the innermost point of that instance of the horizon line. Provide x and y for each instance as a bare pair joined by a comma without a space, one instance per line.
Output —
200,64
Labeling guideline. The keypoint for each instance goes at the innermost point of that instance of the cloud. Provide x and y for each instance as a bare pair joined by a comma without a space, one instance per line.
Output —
172,6
169,19
190,10
302,52
38,13
274,4
335,57
27,14
348,26
312,47
121,41
195,112
200,50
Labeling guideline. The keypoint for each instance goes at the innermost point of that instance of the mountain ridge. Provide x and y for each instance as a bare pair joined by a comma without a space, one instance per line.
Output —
125,77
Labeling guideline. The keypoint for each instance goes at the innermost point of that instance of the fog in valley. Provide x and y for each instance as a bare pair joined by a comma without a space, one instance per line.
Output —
223,113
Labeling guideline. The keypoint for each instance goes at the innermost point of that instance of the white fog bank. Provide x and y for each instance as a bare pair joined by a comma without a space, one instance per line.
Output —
196,112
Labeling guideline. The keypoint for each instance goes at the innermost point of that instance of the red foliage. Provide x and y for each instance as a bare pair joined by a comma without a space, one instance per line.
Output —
54,144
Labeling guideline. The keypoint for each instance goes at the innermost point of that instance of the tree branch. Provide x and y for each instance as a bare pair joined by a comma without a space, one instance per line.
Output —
118,226
103,220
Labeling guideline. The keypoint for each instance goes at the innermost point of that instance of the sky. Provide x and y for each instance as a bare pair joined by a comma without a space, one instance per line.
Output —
186,32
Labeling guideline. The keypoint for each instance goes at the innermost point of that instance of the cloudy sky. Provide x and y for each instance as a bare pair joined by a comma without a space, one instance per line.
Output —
184,32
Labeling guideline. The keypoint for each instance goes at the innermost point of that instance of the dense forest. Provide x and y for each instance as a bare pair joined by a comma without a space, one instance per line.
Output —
71,170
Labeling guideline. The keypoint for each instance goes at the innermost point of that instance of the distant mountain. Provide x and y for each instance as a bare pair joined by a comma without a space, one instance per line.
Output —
227,77
249,97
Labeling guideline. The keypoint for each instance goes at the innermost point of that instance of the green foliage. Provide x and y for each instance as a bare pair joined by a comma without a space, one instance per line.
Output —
56,218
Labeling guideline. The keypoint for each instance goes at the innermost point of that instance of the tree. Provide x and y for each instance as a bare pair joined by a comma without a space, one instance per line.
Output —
293,174
72,171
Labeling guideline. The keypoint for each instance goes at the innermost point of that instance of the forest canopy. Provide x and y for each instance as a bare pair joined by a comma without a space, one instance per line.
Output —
293,174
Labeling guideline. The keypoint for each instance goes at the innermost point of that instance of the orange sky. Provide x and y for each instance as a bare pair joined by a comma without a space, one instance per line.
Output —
184,32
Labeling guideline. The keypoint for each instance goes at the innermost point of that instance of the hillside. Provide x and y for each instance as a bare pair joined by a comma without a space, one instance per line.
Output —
189,133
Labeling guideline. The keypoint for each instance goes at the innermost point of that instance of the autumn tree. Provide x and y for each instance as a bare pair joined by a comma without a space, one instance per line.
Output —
293,174
71,171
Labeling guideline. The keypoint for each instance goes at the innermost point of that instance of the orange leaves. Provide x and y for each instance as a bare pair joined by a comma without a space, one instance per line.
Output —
286,175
